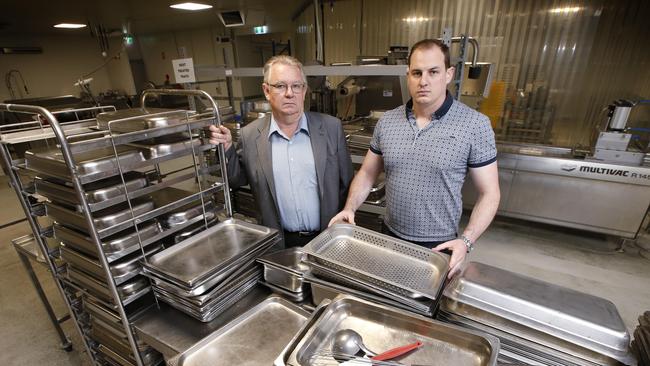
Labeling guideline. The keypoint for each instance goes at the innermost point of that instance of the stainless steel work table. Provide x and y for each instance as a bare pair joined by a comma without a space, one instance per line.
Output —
171,332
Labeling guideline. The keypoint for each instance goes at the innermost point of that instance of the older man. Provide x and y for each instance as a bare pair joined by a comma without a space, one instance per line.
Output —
296,163
426,148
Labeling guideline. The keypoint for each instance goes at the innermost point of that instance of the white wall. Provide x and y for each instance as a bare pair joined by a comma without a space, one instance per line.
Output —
63,61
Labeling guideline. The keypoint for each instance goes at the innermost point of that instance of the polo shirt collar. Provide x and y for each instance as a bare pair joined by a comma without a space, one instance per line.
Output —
275,128
444,108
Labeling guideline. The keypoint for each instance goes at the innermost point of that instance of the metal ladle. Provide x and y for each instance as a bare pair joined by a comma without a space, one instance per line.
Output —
349,342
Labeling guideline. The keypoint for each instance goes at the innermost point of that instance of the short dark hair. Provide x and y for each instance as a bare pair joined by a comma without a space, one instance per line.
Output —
426,44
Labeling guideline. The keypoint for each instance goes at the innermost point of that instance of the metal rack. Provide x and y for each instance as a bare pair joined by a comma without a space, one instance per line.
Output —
109,322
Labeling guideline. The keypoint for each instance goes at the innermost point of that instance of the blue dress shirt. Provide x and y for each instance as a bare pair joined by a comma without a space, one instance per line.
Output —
294,173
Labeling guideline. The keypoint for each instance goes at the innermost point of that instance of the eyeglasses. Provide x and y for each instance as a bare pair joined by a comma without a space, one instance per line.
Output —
281,88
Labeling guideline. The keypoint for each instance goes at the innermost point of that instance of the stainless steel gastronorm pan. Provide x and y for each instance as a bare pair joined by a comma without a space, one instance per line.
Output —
383,328
210,283
91,166
128,291
586,320
422,305
102,219
166,145
121,270
396,265
103,119
218,309
322,290
95,193
254,338
531,341
285,269
195,259
115,246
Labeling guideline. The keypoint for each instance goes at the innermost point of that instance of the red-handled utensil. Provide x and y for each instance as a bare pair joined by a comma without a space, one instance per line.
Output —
396,352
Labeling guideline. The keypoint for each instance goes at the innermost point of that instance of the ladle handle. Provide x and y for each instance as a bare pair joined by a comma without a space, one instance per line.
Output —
396,352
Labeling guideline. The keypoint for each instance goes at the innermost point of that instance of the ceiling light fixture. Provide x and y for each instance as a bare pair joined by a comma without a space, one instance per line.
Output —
70,25
565,10
191,6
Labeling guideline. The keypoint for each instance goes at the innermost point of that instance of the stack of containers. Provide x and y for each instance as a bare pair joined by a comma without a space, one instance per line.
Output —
353,260
207,273
284,273
537,322
105,197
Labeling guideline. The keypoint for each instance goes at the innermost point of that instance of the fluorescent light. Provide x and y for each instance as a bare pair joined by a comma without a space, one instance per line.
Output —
416,19
566,10
70,25
191,6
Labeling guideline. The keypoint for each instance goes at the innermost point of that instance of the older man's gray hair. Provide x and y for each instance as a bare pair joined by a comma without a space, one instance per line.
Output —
284,60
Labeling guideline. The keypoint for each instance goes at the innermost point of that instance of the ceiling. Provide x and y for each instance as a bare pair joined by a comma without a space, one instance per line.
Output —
137,16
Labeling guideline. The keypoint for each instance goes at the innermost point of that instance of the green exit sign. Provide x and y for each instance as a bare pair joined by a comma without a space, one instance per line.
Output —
262,29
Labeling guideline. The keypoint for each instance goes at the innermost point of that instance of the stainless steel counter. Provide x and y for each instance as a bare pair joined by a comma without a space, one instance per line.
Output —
171,332
546,184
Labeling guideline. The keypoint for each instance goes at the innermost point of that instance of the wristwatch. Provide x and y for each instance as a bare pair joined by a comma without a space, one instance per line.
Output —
468,243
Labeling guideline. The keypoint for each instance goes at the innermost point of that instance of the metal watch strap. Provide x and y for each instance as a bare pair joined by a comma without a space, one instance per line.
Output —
468,243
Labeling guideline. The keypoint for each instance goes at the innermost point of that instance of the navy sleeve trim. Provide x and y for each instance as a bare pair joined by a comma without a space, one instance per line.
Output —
378,152
487,162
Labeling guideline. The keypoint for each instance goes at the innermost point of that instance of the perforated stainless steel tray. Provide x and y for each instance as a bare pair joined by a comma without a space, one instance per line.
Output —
396,265
586,320
115,246
91,165
382,328
422,306
194,260
96,193
252,339
102,219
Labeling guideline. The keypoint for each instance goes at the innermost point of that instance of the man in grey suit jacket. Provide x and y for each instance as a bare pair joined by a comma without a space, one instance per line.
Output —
297,164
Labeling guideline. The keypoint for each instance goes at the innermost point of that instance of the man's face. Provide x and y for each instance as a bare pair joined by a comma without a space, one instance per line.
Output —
427,77
282,90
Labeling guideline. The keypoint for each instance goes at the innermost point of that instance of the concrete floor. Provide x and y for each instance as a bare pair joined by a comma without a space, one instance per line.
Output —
575,259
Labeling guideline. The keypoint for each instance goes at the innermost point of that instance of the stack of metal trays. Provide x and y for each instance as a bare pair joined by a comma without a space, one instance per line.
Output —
367,261
359,143
284,273
167,145
100,194
107,330
121,270
208,272
537,322
91,166
252,339
382,328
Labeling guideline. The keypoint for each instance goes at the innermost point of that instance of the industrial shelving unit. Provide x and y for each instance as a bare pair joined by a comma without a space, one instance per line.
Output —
102,287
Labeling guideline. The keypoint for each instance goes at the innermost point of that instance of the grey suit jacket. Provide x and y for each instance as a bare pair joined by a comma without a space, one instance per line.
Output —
250,163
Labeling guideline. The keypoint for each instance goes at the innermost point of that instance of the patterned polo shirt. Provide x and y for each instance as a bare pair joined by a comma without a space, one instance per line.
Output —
426,168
